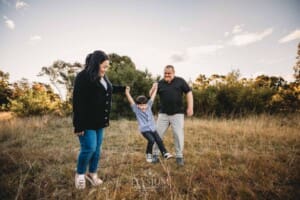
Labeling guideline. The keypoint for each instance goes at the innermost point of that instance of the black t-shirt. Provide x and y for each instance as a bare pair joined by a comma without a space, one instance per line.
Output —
170,95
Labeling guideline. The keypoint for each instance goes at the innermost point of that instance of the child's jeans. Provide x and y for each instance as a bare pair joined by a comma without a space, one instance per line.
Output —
90,150
153,137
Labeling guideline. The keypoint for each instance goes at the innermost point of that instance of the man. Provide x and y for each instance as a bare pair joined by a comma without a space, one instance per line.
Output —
170,91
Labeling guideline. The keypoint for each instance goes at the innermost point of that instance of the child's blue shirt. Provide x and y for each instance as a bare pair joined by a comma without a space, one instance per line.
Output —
145,119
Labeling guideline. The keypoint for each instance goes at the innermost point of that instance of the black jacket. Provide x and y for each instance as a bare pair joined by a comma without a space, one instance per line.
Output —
91,102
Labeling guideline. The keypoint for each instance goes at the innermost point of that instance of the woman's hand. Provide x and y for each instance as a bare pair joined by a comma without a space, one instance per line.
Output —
128,95
81,133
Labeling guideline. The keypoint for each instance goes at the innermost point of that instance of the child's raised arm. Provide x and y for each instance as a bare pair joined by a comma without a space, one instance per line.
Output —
128,95
153,91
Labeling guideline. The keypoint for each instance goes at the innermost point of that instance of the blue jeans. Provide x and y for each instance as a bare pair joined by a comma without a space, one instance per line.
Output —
90,150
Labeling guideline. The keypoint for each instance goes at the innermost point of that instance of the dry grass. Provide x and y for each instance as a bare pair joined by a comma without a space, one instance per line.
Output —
5,115
251,158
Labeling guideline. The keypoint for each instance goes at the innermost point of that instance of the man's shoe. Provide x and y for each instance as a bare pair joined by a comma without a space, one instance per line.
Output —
155,159
180,161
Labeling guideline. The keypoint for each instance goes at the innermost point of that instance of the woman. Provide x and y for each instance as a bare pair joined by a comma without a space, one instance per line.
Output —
91,107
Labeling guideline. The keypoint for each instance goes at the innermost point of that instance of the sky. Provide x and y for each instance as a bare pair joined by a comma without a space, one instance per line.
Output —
196,37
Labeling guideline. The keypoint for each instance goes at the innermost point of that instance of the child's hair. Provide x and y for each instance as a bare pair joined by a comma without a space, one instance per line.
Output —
141,99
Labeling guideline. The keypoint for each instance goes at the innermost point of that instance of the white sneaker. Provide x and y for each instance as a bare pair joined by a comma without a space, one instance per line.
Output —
149,157
168,156
79,181
93,179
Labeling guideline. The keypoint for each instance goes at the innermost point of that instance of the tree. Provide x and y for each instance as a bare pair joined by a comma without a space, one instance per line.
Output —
35,99
201,82
122,71
233,77
62,74
297,66
216,79
5,90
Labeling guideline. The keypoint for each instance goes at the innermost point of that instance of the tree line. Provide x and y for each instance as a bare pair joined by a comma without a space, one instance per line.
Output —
217,95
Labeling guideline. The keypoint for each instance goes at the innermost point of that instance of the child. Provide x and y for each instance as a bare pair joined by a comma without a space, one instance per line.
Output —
142,110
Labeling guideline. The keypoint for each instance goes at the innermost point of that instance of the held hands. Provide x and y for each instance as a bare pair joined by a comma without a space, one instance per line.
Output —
154,86
81,133
127,90
128,95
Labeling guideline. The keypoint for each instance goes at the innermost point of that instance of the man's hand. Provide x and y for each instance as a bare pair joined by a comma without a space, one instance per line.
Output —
189,112
153,88
127,90
81,133
190,104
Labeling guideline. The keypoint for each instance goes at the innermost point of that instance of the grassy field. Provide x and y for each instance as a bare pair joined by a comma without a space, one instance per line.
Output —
257,157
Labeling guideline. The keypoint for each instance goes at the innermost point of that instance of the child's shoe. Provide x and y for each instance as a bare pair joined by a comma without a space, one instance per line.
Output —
93,179
168,156
79,181
149,157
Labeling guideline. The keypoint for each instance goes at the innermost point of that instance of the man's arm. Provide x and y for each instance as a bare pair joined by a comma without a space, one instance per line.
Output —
190,104
128,95
153,91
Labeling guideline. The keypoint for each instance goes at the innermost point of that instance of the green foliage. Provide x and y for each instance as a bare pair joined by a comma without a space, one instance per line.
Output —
123,72
217,95
229,96
35,99
5,91
286,99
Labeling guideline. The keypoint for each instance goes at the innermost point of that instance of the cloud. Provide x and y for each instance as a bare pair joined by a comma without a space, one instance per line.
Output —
9,23
35,39
178,57
204,49
237,29
196,51
275,60
21,5
184,29
248,38
291,36
6,2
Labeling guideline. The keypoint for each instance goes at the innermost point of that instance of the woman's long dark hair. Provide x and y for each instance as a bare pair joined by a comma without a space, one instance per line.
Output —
92,62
